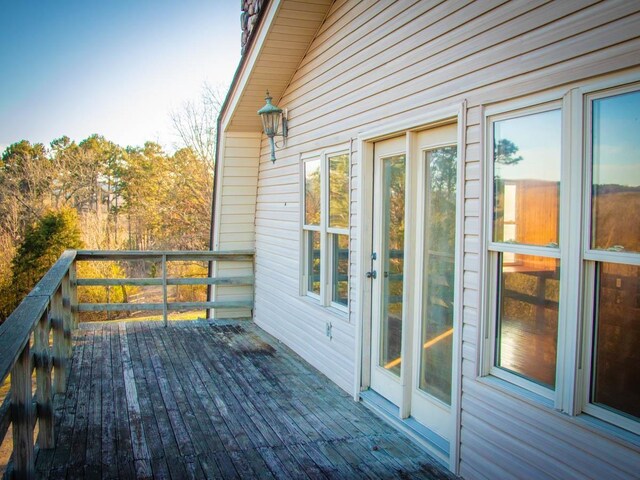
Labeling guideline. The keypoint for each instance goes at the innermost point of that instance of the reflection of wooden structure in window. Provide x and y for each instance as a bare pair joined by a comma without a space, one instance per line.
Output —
529,319
527,212
618,359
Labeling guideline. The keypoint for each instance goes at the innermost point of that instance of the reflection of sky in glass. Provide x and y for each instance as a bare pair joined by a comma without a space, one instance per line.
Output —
538,138
616,140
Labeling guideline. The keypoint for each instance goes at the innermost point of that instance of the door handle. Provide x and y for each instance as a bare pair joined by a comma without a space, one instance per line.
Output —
372,274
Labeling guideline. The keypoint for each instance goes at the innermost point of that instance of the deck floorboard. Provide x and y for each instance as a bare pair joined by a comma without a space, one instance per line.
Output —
213,401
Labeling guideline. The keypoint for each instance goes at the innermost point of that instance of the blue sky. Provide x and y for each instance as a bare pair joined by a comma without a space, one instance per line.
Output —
116,68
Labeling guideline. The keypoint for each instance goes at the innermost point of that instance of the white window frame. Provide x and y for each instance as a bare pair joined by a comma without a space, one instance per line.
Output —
578,262
326,233
591,258
495,249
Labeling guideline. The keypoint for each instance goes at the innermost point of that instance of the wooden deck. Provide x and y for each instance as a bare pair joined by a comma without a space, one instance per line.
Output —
213,401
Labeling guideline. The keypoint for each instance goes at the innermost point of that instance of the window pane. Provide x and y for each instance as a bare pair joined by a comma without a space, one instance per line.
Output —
313,262
616,365
339,191
528,317
616,173
393,172
312,192
340,271
439,273
526,180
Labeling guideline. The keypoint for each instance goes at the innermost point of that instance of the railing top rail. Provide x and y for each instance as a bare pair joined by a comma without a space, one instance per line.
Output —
51,280
229,255
16,329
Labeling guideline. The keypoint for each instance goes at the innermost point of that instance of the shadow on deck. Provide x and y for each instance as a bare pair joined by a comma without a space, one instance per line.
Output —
213,401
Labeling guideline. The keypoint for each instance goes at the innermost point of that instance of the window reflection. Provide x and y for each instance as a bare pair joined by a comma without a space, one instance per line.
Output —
313,262
339,191
617,357
340,272
528,317
393,257
440,228
616,172
526,159
312,192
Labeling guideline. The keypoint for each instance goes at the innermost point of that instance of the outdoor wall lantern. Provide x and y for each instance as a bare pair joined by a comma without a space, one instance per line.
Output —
271,117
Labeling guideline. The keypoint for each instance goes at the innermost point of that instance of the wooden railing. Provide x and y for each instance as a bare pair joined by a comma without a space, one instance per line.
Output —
38,335
164,257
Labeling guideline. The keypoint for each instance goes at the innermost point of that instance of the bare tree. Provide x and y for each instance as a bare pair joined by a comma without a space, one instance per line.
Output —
195,122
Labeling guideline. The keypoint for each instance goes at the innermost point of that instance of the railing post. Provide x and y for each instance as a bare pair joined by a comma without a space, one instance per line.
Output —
44,395
59,351
22,418
164,291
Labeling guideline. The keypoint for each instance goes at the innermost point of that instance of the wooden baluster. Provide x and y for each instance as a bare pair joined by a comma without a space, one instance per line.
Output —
59,353
164,291
22,417
73,295
44,394
67,320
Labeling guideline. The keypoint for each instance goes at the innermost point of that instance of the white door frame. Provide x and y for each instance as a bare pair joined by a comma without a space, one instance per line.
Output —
362,310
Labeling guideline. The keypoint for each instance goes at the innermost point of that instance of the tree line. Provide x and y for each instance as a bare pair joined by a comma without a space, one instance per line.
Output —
95,194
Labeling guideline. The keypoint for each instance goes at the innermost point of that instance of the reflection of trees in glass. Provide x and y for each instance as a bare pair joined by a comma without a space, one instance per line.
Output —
393,231
615,210
395,185
442,198
339,191
340,269
312,192
313,268
504,152
439,275
616,164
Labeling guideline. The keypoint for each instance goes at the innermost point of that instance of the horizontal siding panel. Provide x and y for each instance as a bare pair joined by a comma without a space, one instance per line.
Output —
369,45
471,244
475,452
468,367
511,56
471,261
529,435
296,335
614,460
246,181
472,189
231,198
239,228
470,298
241,190
233,217
240,170
470,317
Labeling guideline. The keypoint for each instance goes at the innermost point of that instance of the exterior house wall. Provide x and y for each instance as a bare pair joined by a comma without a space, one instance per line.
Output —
376,63
235,213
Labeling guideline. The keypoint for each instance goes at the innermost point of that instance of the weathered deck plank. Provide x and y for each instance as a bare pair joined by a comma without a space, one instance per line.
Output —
213,401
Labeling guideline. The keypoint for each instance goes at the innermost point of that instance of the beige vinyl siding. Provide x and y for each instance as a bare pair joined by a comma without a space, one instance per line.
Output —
375,63
236,208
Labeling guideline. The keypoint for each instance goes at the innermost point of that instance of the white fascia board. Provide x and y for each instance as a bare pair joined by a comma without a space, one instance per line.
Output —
256,47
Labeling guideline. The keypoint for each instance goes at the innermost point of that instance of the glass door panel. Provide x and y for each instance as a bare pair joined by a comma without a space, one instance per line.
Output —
392,256
438,282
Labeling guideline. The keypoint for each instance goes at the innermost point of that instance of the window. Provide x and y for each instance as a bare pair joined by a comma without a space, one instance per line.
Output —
612,255
563,252
524,245
326,229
